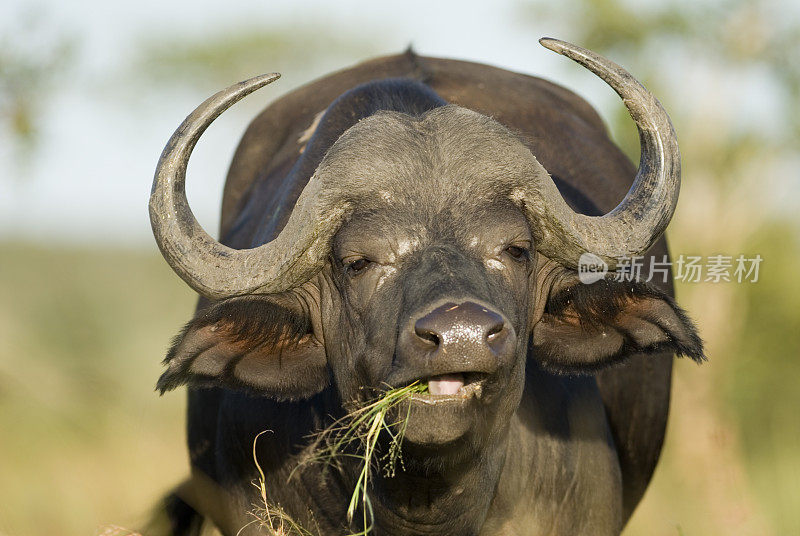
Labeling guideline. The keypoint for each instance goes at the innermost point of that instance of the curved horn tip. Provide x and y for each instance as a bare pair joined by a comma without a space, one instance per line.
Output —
263,79
556,45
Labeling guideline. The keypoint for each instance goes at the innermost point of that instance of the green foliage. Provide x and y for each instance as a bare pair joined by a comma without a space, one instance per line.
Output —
32,59
242,52
761,381
86,441
742,39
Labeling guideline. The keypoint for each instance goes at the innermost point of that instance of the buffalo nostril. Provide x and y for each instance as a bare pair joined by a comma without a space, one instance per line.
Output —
427,335
497,336
494,332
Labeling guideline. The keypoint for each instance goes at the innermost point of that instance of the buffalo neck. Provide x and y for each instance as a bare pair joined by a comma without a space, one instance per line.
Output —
435,495
429,494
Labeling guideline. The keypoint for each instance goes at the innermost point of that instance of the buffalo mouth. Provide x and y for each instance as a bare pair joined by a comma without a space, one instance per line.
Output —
451,387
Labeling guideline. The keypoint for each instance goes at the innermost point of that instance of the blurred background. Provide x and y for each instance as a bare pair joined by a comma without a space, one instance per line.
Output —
90,92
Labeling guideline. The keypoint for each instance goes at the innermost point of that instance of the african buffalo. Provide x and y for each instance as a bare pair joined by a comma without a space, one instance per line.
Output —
420,219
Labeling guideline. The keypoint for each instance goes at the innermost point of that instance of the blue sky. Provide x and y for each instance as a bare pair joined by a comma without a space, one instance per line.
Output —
90,178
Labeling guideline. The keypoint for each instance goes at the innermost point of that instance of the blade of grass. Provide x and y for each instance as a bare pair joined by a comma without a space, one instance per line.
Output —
360,430
272,518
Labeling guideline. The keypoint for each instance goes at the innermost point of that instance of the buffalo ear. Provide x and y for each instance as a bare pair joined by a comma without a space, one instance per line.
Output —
252,344
588,327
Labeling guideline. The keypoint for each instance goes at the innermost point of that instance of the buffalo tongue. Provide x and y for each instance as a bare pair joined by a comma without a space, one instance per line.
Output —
446,384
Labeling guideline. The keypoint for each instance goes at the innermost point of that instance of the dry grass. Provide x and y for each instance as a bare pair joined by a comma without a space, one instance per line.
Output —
272,518
82,333
354,436
86,441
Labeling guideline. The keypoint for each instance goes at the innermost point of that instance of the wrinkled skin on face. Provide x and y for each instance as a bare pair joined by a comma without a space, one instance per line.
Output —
434,279
395,264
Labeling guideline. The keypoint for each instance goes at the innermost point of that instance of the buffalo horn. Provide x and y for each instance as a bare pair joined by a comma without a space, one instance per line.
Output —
640,219
213,269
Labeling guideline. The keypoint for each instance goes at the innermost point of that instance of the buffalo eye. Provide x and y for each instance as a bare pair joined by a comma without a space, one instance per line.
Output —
518,253
357,266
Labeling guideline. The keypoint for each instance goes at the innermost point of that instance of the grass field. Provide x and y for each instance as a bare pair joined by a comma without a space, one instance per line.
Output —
85,439
87,442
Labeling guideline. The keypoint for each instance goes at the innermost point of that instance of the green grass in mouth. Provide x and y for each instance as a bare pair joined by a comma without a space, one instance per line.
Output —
353,436
356,436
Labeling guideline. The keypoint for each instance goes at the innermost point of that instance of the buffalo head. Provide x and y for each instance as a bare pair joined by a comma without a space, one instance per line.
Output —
428,247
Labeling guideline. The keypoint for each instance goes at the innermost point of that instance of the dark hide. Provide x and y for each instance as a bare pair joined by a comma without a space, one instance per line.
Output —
251,344
586,328
586,435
